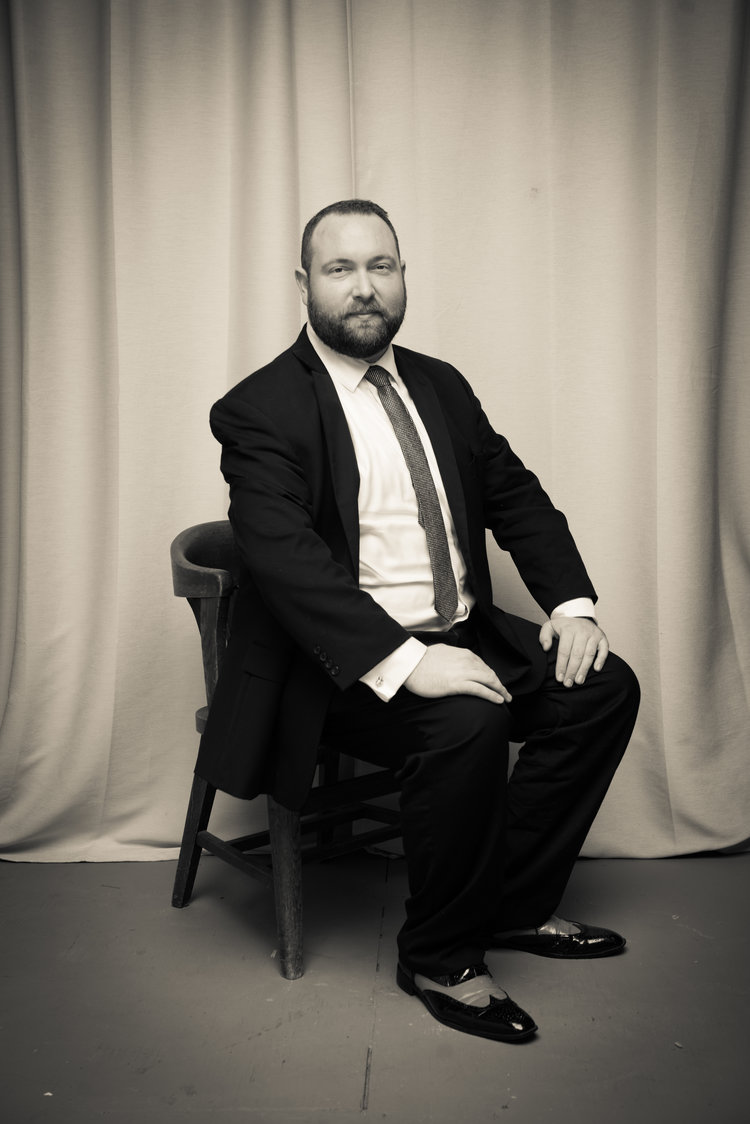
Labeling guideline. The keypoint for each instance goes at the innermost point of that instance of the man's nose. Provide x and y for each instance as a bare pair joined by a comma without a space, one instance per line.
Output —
362,285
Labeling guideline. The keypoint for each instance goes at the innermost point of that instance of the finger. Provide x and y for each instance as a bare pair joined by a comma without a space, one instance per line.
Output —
581,657
500,689
598,648
485,677
493,692
564,651
465,673
478,690
602,653
478,674
546,636
587,659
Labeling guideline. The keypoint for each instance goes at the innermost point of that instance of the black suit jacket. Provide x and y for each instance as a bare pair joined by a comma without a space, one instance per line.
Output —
302,628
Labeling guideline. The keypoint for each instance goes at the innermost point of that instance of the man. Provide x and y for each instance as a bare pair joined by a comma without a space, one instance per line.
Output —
362,477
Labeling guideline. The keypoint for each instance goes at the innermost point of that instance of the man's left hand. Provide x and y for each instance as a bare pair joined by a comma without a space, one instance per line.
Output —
581,644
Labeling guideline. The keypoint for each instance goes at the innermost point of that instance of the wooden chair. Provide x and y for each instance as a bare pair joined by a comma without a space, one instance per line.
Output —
205,570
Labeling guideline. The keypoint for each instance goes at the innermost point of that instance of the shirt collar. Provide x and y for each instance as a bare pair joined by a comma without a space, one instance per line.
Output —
344,369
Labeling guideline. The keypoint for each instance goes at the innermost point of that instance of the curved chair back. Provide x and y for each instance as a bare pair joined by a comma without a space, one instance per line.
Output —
206,570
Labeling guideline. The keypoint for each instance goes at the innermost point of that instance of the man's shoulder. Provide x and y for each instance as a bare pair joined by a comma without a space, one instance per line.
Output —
282,376
442,375
410,358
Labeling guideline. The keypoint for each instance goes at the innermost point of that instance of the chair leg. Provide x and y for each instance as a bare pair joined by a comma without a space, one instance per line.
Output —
334,767
286,861
199,811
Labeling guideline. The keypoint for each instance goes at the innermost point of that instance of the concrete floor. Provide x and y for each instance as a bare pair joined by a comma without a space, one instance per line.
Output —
117,1007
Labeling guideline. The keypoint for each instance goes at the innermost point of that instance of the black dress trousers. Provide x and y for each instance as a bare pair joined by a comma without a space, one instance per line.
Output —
484,851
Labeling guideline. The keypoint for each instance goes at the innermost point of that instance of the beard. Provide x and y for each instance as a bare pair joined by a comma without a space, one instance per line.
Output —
350,336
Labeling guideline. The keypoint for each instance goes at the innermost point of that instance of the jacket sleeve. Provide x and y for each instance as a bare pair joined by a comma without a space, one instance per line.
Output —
523,520
276,519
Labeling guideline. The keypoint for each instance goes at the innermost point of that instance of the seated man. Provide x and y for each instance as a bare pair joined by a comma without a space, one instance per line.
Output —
362,477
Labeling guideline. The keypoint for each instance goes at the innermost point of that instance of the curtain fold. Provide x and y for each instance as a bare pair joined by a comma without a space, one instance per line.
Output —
63,673
11,336
569,180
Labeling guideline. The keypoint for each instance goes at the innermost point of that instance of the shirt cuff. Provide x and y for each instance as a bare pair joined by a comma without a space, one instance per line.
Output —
392,672
578,607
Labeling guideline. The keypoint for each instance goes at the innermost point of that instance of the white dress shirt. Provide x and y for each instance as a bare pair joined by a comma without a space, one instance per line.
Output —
394,563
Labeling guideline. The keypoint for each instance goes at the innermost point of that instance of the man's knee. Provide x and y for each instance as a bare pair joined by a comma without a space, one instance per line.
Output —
621,681
461,720
460,736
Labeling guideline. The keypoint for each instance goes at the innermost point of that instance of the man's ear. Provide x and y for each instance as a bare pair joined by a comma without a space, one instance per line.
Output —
303,284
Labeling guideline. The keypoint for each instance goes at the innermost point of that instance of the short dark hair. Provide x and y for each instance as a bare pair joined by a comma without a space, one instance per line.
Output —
343,207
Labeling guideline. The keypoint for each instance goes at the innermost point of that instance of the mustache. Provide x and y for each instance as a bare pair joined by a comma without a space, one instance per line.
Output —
371,305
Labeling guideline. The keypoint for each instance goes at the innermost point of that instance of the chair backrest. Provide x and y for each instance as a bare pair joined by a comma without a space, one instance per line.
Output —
205,570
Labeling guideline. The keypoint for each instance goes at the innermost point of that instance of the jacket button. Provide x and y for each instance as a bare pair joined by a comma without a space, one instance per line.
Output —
335,670
316,650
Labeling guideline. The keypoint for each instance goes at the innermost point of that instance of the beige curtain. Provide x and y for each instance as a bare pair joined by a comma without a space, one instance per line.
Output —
569,180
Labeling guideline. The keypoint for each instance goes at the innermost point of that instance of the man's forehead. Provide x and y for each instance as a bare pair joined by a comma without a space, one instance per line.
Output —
352,233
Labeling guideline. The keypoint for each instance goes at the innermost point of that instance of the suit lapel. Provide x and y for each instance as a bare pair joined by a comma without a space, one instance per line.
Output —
341,457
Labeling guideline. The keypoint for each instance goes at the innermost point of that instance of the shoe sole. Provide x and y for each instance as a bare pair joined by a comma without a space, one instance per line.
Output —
551,955
407,985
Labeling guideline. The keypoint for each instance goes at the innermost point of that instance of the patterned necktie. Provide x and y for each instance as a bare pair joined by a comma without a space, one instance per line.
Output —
428,504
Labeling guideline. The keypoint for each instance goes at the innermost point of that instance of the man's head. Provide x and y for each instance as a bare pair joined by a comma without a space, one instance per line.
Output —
352,278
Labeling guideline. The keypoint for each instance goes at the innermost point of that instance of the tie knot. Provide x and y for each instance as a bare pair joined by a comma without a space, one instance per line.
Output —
378,376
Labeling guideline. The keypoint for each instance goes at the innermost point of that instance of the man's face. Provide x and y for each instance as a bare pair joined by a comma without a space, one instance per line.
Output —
354,292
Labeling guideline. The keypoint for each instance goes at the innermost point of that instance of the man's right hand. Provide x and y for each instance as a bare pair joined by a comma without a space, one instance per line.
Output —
445,670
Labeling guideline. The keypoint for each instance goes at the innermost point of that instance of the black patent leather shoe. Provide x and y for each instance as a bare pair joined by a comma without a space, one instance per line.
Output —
587,943
476,1006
